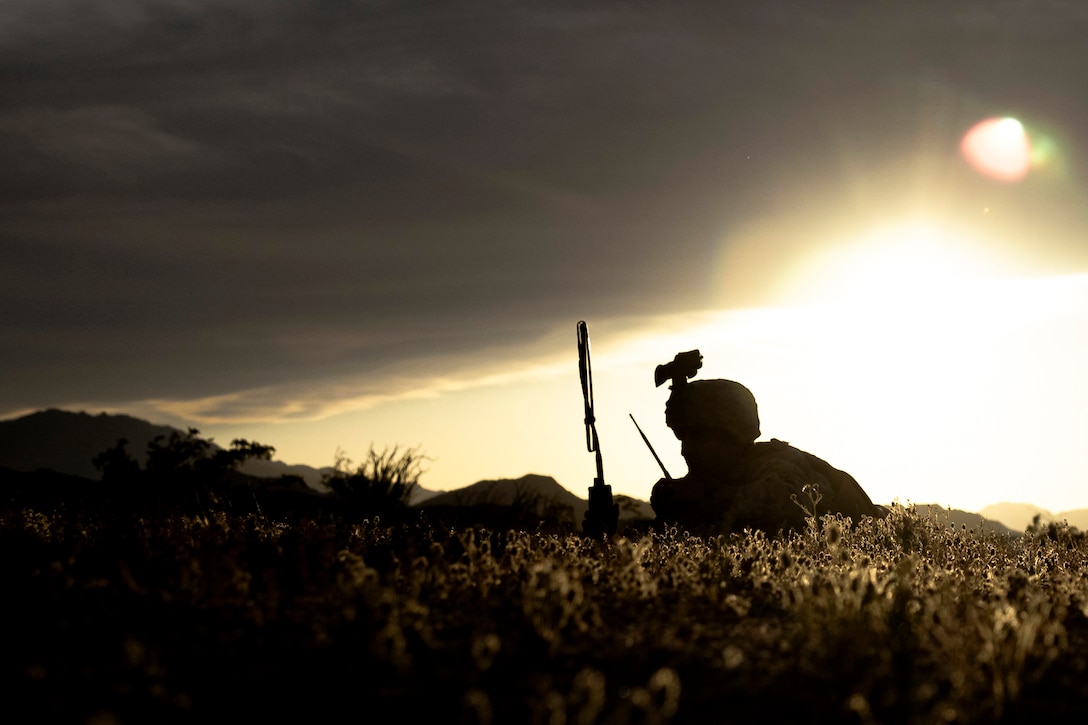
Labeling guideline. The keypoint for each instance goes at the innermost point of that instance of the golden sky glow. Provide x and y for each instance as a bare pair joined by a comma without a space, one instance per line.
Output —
380,223
915,354
971,398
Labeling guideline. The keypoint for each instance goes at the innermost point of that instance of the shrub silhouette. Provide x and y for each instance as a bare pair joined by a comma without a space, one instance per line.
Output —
117,467
178,467
381,484
189,456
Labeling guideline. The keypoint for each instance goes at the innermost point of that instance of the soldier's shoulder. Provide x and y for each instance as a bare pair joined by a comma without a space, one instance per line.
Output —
775,448
783,448
782,453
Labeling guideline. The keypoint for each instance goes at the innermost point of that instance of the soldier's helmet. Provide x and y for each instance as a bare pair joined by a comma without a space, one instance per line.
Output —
720,406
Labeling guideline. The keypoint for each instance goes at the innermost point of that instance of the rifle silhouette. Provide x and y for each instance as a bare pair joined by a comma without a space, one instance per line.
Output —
602,516
647,442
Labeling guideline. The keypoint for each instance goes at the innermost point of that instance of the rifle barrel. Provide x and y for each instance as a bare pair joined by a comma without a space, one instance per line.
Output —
647,442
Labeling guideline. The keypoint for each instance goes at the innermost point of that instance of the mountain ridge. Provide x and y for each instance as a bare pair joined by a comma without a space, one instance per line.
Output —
67,442
1021,515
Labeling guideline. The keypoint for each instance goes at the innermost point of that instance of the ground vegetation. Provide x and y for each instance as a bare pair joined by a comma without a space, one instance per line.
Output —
184,617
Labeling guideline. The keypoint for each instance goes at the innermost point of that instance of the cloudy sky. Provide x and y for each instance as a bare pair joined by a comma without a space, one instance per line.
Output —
334,224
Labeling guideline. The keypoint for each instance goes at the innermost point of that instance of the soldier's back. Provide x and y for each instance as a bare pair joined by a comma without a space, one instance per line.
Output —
818,486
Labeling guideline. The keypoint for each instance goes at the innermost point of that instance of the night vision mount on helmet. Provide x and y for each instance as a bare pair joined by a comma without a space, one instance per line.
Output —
682,367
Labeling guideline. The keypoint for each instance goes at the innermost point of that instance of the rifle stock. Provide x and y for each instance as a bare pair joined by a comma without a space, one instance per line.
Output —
602,516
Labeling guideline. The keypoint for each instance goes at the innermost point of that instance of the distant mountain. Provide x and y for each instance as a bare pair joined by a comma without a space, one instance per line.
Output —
1019,516
274,469
956,518
67,442
419,494
525,501
529,490
1077,518
634,508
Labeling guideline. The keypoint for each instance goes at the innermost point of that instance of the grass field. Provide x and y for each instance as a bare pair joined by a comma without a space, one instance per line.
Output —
171,617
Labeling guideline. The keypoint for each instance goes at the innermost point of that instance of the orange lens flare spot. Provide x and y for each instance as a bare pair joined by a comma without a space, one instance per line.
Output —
999,148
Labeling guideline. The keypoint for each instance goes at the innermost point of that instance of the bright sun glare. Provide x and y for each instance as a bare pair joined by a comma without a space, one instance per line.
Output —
883,348
916,263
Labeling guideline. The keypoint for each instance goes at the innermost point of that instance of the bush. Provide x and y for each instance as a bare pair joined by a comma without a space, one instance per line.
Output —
382,484
180,468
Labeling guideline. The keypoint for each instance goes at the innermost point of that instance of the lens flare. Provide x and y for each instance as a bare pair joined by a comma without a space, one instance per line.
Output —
999,148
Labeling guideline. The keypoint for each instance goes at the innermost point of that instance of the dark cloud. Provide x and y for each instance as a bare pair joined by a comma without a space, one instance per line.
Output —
206,196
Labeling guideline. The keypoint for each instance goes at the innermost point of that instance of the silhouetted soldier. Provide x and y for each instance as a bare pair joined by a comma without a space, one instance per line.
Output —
733,482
